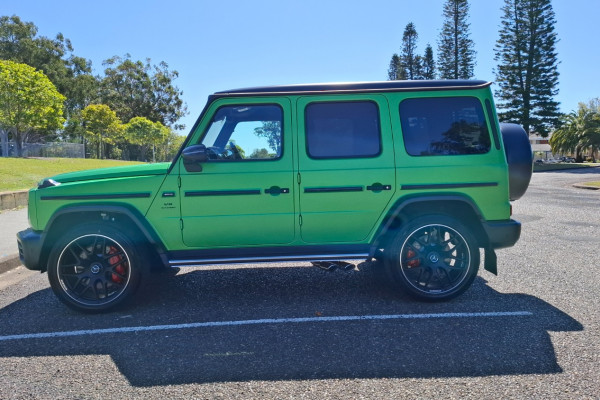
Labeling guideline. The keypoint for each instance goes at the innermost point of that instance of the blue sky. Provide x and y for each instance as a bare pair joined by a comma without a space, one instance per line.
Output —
218,45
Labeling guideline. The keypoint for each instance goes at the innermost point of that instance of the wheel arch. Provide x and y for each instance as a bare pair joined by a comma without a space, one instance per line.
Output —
453,205
127,219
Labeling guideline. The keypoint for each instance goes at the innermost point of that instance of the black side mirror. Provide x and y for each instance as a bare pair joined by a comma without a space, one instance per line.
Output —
193,156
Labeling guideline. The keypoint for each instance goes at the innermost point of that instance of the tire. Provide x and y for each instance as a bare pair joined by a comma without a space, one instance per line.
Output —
433,258
94,268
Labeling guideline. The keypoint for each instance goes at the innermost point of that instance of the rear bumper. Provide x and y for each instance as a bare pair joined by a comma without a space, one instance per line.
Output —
502,233
30,249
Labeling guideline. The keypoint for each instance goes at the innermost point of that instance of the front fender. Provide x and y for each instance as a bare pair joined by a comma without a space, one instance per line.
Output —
129,218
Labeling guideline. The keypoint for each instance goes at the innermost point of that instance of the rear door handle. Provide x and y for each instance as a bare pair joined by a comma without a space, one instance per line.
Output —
275,190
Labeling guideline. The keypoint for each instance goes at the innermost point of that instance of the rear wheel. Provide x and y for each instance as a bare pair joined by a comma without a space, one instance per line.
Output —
433,258
94,268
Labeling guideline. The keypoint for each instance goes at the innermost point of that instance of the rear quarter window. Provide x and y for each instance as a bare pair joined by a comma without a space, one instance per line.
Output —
444,126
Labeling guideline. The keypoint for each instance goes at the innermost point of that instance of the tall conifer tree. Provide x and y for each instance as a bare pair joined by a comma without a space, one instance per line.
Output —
411,62
527,72
428,68
456,54
395,69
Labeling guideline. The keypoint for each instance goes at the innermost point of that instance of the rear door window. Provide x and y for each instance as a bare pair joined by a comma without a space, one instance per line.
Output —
343,130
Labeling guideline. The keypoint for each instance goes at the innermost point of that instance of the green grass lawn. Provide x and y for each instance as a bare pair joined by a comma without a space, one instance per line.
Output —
592,184
25,173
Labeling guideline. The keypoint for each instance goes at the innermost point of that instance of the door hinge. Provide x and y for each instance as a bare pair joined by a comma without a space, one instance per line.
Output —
181,224
179,181
299,178
300,219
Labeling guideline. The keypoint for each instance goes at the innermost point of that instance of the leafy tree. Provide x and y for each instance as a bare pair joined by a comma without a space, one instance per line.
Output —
145,133
29,102
271,130
138,89
428,68
410,61
527,72
456,54
169,148
81,87
17,39
579,131
102,127
261,154
19,42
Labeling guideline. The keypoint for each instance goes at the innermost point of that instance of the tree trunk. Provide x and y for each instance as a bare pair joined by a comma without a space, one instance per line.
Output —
18,138
4,142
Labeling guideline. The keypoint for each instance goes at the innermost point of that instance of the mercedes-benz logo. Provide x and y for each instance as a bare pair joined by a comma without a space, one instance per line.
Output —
95,268
433,257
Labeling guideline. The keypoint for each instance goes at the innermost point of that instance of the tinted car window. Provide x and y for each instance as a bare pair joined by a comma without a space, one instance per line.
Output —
444,126
343,130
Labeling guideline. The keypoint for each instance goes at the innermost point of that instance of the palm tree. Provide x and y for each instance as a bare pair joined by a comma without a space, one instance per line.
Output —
579,132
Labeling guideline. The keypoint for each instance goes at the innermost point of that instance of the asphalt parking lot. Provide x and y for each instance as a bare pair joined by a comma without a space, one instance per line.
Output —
294,331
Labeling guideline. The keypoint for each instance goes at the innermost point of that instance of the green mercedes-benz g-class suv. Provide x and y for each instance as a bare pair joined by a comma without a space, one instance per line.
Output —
418,175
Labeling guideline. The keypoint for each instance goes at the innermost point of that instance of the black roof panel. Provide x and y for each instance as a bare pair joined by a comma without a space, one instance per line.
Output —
359,87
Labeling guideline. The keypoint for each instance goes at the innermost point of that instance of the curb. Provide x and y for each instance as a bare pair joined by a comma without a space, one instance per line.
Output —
8,263
582,186
10,200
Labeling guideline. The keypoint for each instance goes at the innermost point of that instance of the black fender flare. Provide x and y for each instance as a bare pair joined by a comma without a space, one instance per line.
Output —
397,210
104,211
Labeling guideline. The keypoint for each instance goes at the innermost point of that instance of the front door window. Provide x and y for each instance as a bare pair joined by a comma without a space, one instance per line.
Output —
250,132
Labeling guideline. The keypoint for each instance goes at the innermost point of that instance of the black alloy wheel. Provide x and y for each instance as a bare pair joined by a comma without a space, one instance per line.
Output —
434,258
93,269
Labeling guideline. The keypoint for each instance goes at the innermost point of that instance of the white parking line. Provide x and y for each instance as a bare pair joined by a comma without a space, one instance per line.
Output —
261,322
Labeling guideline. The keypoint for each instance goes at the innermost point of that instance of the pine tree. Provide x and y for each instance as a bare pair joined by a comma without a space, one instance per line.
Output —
394,70
527,72
409,59
428,71
456,54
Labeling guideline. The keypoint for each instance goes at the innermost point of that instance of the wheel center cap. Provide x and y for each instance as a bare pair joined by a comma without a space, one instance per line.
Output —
434,257
95,268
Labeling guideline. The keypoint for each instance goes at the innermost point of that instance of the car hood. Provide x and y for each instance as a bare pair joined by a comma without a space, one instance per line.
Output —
113,172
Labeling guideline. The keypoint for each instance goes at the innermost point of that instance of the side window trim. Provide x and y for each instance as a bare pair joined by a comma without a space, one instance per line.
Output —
492,121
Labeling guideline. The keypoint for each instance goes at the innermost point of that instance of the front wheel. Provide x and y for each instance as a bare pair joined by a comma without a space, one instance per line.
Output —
433,258
93,268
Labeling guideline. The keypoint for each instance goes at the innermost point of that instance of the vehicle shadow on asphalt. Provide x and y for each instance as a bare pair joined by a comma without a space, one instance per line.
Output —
460,346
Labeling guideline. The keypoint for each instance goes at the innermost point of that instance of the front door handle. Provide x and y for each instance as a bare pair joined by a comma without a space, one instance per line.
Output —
378,187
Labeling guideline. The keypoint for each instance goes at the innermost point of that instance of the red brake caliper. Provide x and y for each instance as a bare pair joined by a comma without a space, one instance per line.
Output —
412,263
120,269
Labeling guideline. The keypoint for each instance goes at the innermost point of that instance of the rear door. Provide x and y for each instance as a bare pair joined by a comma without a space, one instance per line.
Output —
346,166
